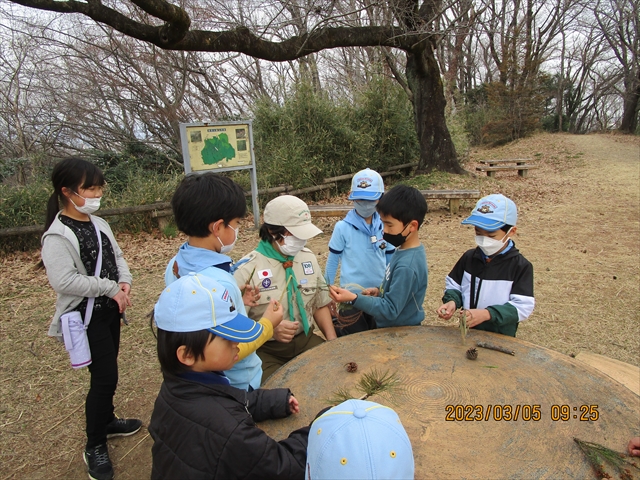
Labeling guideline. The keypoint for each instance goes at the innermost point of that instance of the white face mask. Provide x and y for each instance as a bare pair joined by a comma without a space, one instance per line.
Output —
224,249
365,208
491,246
90,204
292,246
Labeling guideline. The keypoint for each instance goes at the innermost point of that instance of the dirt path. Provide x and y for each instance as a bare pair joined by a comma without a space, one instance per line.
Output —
588,249
578,225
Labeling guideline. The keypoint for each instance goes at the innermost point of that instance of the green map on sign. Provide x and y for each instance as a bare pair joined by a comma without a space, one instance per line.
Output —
217,149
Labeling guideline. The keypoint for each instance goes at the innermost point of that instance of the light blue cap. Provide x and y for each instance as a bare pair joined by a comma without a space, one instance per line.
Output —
359,440
367,184
197,302
492,213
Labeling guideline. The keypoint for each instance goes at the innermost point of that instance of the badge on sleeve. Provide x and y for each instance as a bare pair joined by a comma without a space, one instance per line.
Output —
307,268
265,274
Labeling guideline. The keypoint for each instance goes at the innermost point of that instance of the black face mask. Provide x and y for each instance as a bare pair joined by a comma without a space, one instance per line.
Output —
396,239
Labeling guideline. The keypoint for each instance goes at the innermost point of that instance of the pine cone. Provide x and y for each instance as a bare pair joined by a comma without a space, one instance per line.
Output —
472,353
351,367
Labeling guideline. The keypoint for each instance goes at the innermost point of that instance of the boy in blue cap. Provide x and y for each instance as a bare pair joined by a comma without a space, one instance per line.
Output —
359,439
203,427
398,300
357,246
209,208
493,282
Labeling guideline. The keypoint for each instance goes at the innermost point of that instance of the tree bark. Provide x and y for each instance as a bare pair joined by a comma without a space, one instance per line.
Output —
437,151
631,103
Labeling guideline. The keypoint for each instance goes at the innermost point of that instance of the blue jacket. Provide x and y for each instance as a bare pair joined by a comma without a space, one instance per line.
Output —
248,371
360,251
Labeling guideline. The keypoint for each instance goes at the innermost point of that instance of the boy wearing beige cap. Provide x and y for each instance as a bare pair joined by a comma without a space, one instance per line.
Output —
281,267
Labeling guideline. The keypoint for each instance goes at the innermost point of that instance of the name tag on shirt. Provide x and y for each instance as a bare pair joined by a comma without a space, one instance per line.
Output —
307,268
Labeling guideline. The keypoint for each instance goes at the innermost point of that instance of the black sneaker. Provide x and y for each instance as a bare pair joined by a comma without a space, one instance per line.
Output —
98,463
123,427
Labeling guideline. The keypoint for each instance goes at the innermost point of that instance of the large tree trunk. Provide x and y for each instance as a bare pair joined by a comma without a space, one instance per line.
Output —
437,151
631,99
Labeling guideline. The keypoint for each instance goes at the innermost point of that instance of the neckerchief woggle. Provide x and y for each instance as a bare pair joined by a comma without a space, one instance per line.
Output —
266,249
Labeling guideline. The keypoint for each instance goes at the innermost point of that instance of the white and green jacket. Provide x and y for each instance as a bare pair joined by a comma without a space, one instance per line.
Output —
502,284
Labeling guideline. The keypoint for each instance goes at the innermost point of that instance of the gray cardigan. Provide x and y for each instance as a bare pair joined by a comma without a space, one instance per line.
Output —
66,272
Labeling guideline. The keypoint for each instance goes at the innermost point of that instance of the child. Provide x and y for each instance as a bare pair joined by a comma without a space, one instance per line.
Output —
493,282
358,248
399,300
359,439
69,254
203,427
284,269
209,208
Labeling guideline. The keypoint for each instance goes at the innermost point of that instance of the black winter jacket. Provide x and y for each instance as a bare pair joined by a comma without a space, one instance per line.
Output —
208,432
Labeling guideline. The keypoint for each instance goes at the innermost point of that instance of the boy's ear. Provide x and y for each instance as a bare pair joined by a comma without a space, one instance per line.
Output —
216,227
185,357
415,224
513,231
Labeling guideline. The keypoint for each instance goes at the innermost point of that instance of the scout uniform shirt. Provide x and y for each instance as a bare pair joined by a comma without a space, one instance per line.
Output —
270,277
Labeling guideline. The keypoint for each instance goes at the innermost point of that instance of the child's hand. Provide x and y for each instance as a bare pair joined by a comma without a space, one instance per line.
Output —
123,301
125,287
273,313
371,292
341,294
446,310
634,447
476,316
250,295
294,407
285,332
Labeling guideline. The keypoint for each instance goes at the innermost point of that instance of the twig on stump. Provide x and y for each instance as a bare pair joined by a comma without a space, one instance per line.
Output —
463,325
497,348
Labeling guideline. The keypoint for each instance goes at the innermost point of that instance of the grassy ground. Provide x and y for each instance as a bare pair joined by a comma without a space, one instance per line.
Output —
578,224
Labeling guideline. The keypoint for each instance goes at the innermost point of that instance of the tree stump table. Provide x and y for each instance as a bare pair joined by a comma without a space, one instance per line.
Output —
460,414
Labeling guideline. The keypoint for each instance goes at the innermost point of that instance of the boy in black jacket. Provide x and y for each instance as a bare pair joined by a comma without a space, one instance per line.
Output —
493,282
201,426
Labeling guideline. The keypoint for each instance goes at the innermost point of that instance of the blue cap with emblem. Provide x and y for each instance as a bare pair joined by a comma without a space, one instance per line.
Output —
198,302
359,439
492,213
367,184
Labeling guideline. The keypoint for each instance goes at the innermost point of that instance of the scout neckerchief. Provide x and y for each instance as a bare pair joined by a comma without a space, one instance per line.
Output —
266,249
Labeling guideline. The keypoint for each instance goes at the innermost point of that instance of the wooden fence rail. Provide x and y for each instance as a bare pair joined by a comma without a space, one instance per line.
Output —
162,210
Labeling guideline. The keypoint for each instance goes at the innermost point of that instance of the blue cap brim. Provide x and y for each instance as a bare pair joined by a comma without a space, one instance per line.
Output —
483,223
241,329
365,195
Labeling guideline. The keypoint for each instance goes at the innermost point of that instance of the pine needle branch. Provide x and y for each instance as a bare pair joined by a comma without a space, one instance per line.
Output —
598,455
376,382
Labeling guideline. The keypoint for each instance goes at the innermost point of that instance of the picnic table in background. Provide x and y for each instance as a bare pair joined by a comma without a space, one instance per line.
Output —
492,166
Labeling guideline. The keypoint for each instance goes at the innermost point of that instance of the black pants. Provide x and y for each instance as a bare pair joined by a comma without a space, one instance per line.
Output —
104,342
365,322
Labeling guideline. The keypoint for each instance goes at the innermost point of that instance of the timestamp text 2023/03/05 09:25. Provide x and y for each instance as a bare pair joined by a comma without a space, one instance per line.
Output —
527,413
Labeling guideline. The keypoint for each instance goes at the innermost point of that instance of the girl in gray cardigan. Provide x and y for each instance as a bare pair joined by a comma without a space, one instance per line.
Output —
70,254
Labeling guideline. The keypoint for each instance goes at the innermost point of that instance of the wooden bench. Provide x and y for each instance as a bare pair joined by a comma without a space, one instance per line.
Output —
492,166
454,197
329,210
